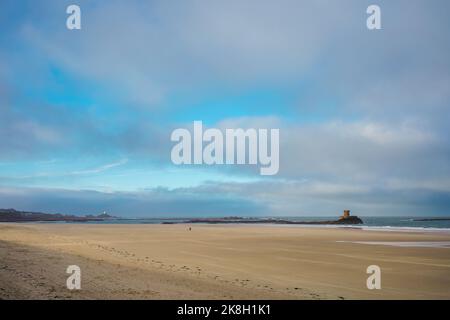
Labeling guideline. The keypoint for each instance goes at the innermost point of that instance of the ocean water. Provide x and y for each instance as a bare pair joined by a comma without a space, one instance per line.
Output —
393,222
406,222
385,223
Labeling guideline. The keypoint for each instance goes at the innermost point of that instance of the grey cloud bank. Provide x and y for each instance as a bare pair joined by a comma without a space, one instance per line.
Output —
225,199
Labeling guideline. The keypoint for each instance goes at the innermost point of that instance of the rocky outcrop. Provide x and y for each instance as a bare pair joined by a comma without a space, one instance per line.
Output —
349,220
344,220
432,219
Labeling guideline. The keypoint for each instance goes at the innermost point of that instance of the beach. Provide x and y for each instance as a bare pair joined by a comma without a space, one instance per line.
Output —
164,261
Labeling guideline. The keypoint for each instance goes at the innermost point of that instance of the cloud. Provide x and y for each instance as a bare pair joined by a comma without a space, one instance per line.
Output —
21,135
375,154
158,202
160,48
277,198
101,168
362,149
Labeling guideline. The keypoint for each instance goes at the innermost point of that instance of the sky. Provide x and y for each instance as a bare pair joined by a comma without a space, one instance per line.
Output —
86,115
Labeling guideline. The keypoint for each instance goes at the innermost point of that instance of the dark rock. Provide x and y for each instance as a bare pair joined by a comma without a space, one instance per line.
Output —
344,220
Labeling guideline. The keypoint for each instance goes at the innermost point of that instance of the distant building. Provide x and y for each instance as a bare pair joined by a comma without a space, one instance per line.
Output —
346,214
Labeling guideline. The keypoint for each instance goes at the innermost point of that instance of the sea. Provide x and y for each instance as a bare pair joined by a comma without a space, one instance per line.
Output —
369,222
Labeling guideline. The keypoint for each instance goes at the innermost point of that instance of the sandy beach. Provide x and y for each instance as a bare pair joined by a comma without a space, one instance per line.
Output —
220,262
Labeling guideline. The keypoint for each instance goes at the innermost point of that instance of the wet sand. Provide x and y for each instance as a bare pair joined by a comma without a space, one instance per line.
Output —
219,262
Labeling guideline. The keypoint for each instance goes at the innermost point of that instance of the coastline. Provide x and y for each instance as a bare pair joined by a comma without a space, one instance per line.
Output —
218,262
362,227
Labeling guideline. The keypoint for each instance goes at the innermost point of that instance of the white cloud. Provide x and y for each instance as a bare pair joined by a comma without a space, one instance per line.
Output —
99,169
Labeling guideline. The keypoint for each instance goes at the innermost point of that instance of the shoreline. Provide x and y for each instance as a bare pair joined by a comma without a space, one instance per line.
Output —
362,227
219,262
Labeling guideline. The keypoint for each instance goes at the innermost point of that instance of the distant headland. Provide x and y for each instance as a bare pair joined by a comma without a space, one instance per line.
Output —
12,215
